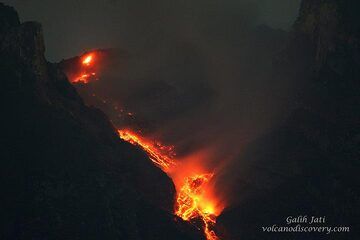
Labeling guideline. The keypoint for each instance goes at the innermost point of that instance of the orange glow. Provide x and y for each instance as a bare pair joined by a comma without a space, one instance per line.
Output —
84,78
87,60
87,70
192,203
161,155
194,199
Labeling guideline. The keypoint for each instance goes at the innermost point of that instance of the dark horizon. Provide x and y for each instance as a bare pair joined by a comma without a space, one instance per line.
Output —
73,27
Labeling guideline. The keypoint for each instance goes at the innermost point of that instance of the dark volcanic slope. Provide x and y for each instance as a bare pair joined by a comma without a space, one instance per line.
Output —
309,165
64,172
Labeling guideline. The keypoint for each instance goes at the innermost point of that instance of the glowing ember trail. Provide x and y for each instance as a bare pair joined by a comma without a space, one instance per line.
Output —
191,202
161,155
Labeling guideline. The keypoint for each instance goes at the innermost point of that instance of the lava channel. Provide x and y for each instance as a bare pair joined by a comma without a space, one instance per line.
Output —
192,203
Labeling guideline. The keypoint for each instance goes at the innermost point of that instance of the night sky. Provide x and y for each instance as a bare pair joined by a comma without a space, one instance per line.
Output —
72,26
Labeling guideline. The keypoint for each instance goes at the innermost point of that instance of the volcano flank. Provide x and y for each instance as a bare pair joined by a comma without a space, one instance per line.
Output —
203,125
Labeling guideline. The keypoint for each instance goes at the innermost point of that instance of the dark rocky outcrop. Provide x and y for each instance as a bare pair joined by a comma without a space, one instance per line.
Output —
64,173
308,165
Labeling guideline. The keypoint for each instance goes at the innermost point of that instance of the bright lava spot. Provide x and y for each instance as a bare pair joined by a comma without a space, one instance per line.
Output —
87,60
87,71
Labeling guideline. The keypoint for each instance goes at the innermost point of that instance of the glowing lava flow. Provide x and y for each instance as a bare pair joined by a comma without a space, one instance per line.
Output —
87,71
161,155
191,202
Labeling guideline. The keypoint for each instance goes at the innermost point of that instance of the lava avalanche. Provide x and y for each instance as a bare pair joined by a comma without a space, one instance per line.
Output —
192,202
195,201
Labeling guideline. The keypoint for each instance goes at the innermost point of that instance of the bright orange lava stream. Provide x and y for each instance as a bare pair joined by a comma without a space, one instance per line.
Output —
191,202
161,155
